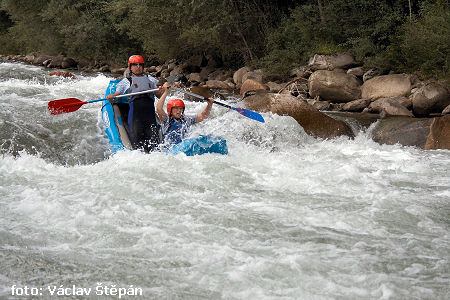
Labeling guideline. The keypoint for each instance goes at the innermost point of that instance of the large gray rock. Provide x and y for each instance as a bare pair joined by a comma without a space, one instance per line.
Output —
357,120
389,107
256,75
331,62
313,121
68,63
402,130
239,74
39,60
334,86
56,62
195,77
356,105
217,84
274,87
358,71
385,86
431,98
369,74
251,85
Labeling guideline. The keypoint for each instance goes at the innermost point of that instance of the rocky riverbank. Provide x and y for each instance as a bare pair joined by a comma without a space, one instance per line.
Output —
409,111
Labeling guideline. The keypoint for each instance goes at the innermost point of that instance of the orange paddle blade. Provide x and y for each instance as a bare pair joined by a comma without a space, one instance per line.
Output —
66,105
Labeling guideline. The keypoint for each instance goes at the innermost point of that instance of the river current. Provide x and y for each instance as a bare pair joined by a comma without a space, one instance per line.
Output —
283,216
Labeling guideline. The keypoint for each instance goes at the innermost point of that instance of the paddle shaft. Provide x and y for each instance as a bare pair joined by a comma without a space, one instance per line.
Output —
243,111
126,95
203,98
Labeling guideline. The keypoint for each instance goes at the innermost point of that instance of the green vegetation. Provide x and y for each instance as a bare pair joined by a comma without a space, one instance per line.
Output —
406,36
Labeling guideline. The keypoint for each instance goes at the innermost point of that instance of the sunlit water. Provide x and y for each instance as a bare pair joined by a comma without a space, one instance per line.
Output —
283,216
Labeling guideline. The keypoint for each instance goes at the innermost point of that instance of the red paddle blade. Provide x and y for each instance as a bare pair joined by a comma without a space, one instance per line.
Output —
66,105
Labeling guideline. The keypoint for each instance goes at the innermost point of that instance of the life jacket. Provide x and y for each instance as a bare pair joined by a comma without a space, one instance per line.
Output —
142,106
175,131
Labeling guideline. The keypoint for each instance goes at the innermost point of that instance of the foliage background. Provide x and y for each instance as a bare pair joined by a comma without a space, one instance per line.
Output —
403,35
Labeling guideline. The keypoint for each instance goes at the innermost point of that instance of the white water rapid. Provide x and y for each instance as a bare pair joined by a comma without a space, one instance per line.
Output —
283,216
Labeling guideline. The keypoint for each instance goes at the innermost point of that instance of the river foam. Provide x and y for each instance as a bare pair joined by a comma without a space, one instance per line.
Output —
283,216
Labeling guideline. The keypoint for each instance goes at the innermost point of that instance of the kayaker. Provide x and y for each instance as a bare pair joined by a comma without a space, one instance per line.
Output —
143,129
175,124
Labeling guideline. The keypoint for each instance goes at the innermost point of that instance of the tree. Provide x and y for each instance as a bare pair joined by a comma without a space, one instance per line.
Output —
425,43
29,31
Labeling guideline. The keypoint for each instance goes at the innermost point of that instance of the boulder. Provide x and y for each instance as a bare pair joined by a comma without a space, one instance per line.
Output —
29,58
195,77
39,60
217,84
357,120
47,63
239,74
56,62
356,105
274,87
337,106
180,78
320,105
385,86
446,110
151,69
334,86
204,73
404,101
402,130
331,62
300,72
172,64
118,71
104,68
251,85
178,70
219,74
358,72
439,136
164,73
431,98
256,75
312,120
389,107
371,74
230,83
68,63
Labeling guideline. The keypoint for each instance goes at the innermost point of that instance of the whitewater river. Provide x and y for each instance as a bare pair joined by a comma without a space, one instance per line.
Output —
283,216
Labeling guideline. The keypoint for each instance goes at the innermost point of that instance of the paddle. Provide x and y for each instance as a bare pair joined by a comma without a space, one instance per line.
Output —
243,111
67,105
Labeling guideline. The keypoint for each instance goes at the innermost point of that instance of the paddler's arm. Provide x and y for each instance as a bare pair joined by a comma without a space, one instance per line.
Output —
205,113
121,88
110,97
160,104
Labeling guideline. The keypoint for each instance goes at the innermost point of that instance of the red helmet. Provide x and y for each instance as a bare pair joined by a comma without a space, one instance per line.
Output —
136,59
174,103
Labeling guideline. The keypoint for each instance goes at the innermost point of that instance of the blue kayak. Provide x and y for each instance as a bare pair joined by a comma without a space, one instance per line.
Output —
115,131
114,123
201,144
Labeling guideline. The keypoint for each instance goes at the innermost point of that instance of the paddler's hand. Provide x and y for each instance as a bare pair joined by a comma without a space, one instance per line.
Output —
110,98
164,88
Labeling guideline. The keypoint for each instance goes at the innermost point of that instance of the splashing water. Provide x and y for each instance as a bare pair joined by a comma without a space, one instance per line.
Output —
283,216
